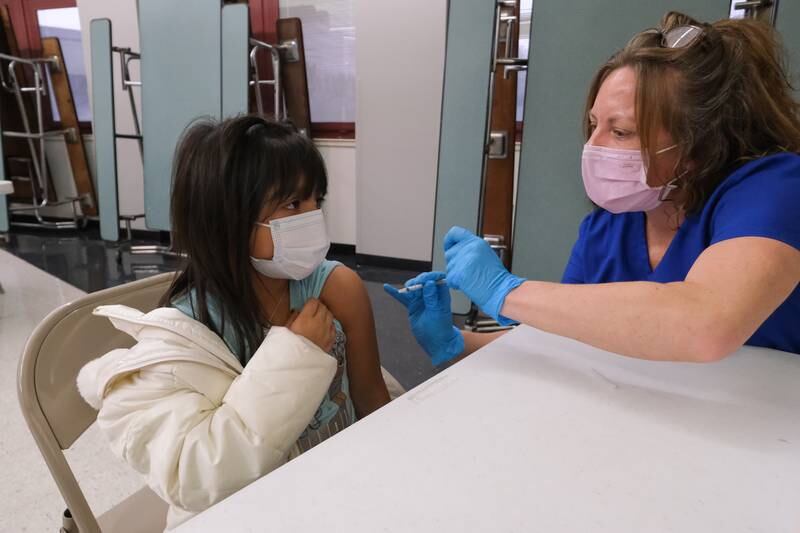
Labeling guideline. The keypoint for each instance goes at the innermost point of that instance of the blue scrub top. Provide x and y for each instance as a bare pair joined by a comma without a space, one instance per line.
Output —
759,199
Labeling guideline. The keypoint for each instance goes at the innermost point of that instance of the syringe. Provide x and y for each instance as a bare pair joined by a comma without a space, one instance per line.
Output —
418,286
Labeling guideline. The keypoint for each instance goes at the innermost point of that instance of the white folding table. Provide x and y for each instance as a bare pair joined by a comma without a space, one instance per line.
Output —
535,432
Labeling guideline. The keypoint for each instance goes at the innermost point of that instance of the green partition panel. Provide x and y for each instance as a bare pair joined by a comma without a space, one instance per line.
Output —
4,223
181,81
570,39
465,104
787,23
235,64
104,128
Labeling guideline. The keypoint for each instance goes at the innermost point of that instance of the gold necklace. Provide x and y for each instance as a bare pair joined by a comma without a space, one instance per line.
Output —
277,306
272,296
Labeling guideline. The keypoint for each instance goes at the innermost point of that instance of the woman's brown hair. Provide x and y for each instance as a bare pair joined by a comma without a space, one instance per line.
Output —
724,97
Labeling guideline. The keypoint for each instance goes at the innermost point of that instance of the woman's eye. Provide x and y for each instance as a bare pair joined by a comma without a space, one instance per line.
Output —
620,134
292,205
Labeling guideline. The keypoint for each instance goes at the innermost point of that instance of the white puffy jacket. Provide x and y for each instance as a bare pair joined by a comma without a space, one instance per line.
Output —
180,409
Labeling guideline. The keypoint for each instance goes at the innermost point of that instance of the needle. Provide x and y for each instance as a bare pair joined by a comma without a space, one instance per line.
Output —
418,286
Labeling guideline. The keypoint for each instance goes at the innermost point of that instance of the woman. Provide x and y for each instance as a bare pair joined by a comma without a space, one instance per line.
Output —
691,155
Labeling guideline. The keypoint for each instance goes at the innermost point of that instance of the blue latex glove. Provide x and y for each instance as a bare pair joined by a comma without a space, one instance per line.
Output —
474,269
430,316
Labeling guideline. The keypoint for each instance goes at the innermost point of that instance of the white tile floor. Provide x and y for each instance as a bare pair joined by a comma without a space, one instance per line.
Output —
29,499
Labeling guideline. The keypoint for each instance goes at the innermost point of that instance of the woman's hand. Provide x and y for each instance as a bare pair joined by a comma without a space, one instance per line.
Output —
430,316
474,269
315,323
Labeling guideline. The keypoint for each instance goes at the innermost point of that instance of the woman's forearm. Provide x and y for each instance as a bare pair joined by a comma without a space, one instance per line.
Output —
647,320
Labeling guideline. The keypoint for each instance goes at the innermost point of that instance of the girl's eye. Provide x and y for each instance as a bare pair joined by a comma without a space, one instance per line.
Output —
292,205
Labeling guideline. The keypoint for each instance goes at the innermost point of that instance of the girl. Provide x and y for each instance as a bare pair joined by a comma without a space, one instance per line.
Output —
244,366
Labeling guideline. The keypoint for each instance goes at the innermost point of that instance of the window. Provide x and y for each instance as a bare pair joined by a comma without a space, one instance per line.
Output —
34,19
329,35
64,24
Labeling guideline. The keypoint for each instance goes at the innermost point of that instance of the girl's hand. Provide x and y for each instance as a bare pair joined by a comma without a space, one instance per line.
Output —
315,323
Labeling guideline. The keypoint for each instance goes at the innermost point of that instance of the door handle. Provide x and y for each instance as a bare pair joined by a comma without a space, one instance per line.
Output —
513,68
513,64
752,4
757,9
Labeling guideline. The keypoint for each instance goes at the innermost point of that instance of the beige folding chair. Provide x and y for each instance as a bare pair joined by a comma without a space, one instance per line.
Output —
57,415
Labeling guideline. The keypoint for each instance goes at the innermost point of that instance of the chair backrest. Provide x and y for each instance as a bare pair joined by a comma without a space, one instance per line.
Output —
58,348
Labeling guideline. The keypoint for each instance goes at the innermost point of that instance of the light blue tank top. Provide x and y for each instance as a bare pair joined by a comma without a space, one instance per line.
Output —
336,411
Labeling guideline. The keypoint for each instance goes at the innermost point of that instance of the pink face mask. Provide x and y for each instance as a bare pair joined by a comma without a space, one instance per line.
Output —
616,179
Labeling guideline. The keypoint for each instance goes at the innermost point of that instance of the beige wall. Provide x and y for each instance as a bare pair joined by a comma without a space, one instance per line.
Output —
400,65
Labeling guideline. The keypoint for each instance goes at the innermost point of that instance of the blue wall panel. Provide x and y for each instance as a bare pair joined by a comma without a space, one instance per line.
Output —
181,81
787,23
103,124
235,64
470,29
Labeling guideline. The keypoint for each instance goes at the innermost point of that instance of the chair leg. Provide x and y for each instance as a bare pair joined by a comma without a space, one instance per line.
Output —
68,524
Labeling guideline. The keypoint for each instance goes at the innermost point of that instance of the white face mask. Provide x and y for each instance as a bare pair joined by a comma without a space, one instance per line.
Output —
300,243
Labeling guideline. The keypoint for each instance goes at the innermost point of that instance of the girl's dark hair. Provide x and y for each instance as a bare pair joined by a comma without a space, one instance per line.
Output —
224,175
725,98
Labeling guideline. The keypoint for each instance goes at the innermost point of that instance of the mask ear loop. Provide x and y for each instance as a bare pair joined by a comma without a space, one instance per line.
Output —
670,186
667,189
673,183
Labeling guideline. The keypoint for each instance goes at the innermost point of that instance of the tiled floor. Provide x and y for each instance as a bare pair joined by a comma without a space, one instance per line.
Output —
40,271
